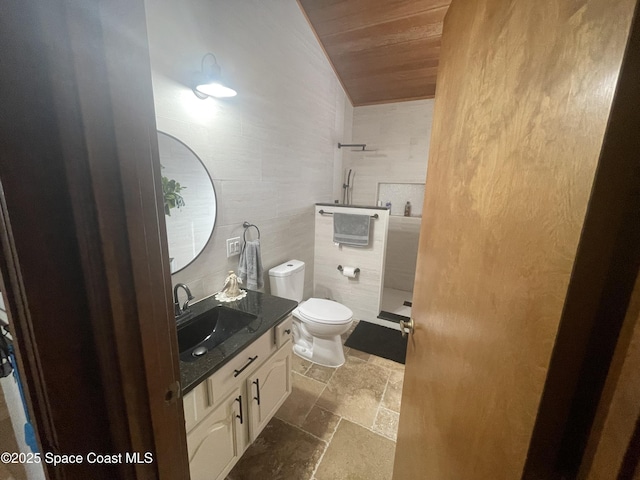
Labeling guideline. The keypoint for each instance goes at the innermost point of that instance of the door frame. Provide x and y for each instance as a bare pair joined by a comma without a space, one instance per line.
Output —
84,257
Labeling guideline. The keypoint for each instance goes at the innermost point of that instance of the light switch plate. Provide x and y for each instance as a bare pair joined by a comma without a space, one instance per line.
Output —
233,246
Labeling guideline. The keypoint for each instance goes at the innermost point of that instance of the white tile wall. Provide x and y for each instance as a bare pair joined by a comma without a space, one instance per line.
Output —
272,150
363,293
398,194
402,252
398,136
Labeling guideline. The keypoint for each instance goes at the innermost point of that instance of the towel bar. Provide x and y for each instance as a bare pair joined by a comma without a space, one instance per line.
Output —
322,212
246,226
363,146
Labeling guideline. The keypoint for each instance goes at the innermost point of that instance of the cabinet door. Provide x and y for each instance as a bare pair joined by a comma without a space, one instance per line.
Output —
217,443
268,388
198,403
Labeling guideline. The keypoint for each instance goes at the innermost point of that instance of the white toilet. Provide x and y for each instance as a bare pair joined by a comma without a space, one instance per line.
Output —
317,323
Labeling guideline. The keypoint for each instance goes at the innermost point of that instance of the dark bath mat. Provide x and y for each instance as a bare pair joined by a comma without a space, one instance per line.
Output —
377,340
392,317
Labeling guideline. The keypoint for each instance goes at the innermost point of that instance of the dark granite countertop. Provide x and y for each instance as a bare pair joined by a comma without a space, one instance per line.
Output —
270,310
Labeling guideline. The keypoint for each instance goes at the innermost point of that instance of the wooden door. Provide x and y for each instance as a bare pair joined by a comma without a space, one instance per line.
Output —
525,91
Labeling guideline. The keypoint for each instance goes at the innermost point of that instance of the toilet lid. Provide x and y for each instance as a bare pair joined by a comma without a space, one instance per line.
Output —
325,311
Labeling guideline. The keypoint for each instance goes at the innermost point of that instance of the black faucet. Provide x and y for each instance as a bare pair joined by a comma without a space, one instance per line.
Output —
176,302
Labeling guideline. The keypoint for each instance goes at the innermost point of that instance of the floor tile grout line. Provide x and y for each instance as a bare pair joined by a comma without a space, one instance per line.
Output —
384,393
367,428
381,433
315,470
330,376
315,403
340,419
334,371
371,428
386,386
323,444
297,427
310,378
354,421
327,443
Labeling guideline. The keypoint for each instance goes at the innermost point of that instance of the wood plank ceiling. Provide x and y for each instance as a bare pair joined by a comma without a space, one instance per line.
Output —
382,50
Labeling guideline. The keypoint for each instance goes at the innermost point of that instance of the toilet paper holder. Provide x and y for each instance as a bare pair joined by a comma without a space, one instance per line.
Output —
357,270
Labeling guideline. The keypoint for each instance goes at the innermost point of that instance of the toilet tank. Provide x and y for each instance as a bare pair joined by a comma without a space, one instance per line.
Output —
287,280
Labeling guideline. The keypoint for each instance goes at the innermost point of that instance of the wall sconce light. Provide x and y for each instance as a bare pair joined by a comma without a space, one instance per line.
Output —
208,82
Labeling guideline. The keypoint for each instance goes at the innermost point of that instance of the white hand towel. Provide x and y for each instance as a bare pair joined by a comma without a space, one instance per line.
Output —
250,265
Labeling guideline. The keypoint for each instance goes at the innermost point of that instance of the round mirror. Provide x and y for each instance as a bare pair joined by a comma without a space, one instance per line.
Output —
189,201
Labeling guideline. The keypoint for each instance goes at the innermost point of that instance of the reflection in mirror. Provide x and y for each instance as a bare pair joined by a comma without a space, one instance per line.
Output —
189,200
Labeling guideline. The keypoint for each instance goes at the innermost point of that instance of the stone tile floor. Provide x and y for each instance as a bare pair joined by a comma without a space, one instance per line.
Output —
338,423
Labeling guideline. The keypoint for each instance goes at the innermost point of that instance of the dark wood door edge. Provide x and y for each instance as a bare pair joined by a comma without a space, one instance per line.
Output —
631,461
83,258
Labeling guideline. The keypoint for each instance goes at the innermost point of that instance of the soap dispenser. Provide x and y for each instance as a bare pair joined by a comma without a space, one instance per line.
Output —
407,209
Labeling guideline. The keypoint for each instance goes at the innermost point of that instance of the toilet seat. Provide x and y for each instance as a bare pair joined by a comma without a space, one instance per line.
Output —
328,312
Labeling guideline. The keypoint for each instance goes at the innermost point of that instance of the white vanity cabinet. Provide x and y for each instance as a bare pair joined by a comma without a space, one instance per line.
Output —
216,443
269,386
228,410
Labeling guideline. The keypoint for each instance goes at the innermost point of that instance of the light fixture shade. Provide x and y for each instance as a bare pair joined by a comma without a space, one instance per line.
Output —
216,89
208,82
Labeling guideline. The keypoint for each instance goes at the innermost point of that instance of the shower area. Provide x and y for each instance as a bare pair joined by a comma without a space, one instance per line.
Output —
386,165
405,202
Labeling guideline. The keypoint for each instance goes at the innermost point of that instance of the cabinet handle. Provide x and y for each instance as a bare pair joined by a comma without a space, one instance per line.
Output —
257,384
251,360
239,400
288,331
